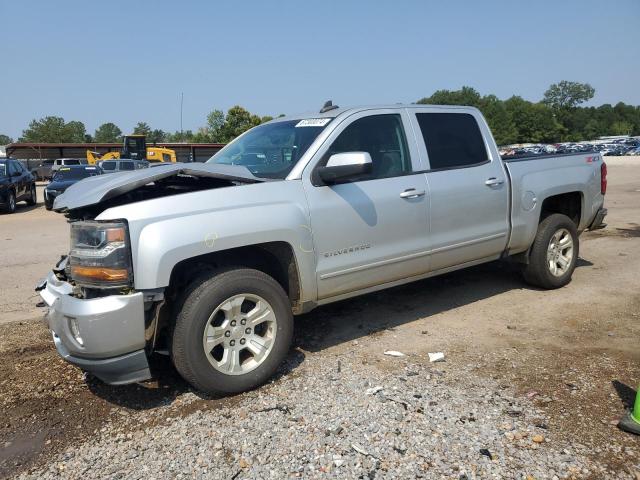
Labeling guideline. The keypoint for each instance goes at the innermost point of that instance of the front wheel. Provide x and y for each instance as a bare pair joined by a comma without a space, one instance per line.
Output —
10,205
554,253
233,329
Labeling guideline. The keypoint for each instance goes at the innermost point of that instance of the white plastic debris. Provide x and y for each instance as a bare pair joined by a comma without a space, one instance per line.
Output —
393,353
373,390
436,357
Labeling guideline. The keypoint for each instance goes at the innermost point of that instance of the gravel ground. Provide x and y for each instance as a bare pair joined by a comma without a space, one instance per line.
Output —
402,417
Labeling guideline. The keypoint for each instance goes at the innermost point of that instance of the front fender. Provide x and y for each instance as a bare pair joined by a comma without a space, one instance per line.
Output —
168,230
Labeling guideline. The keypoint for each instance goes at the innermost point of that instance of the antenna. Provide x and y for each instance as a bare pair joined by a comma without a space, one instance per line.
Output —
328,105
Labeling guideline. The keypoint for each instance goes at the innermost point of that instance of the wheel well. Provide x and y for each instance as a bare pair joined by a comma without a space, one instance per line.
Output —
569,204
276,259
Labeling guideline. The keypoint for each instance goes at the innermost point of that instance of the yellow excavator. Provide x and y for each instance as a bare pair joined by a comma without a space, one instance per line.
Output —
134,147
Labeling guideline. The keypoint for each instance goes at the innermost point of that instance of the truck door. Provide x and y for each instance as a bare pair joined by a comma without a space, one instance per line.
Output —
373,229
468,184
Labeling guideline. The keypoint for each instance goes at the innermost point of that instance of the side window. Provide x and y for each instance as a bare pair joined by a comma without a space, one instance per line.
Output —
13,168
126,166
453,140
380,135
166,157
72,162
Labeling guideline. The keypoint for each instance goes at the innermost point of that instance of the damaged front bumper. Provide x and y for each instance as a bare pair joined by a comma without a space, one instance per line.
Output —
104,336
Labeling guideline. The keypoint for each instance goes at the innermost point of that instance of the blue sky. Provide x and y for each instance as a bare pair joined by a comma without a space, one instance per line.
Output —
124,61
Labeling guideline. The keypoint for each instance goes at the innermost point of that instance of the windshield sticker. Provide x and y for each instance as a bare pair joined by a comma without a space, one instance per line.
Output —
313,122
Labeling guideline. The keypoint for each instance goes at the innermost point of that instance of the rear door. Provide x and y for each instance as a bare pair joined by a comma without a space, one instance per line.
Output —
468,185
17,178
373,229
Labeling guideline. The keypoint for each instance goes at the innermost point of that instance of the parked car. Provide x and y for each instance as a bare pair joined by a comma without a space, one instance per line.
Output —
64,178
113,166
209,262
16,185
67,162
44,170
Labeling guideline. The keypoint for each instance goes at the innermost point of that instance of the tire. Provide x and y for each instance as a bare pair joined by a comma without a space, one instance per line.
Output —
33,196
205,367
10,206
551,247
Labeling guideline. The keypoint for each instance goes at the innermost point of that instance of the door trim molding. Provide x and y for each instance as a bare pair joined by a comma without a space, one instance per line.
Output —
410,256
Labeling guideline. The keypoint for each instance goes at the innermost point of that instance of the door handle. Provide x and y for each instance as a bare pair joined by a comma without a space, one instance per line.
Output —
493,182
412,193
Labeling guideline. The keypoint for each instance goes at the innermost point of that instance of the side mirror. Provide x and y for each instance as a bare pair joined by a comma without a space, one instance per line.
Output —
345,166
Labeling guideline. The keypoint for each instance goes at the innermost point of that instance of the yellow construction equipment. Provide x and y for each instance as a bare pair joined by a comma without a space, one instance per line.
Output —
135,147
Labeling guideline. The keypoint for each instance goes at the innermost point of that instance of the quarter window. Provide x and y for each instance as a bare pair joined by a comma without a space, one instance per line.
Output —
380,135
453,140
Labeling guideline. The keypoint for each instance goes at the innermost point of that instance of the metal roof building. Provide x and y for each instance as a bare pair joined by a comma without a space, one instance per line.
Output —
185,152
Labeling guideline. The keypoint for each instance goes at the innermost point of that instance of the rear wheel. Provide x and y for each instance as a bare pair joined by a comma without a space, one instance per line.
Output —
233,330
554,253
33,198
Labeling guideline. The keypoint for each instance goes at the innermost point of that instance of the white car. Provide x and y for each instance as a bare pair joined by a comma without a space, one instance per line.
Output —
65,162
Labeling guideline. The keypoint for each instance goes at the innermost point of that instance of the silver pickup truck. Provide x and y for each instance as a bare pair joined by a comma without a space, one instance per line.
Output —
209,263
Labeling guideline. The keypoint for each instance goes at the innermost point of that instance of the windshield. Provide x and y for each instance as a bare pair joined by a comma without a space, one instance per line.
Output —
272,150
74,174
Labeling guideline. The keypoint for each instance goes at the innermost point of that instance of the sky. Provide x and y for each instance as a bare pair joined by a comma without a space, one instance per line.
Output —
125,62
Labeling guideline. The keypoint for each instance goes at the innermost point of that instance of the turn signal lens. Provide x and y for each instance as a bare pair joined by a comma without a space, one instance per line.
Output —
99,273
115,234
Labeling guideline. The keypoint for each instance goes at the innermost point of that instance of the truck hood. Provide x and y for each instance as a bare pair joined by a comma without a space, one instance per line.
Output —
100,188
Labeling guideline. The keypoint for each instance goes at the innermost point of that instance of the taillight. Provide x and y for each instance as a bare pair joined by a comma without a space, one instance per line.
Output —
603,178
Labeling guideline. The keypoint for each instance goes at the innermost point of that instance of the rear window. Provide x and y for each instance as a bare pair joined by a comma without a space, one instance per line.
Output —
126,165
453,140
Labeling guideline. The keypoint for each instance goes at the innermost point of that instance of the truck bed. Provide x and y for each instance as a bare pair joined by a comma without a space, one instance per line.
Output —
537,177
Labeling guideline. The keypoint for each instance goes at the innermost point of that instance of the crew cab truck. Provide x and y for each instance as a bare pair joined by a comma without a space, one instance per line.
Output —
209,263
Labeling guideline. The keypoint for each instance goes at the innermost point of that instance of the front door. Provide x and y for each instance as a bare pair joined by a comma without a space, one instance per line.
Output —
375,228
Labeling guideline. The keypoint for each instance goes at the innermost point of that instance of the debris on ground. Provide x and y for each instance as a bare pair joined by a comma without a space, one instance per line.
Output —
436,357
394,353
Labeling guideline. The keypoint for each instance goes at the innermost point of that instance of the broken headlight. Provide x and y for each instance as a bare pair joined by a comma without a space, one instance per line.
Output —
100,254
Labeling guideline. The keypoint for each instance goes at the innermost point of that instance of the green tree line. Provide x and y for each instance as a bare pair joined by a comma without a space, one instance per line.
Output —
557,117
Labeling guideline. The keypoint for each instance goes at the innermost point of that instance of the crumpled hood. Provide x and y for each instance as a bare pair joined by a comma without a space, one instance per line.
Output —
99,188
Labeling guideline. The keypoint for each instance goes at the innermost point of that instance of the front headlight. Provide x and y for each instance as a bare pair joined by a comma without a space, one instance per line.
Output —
100,254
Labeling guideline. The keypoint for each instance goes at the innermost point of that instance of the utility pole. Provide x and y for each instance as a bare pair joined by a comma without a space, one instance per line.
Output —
181,103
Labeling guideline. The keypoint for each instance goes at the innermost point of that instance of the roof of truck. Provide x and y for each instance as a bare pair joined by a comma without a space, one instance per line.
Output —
339,110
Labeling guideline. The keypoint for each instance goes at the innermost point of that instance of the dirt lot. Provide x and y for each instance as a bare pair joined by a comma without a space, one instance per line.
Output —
572,353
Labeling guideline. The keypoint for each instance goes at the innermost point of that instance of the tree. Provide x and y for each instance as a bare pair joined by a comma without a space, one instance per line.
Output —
620,128
54,130
567,94
236,122
465,96
142,128
108,133
156,136
215,123
535,121
5,140
76,132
